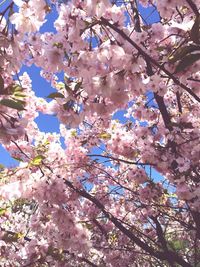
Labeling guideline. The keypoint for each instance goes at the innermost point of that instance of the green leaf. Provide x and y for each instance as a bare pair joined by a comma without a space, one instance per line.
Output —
46,143
12,104
73,133
56,95
60,85
195,31
161,48
19,95
182,52
13,89
37,160
17,159
178,244
69,105
104,136
22,102
3,211
68,88
186,62
77,86
2,166
12,237
17,88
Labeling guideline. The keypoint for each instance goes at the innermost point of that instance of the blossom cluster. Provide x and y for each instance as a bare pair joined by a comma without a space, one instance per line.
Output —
101,192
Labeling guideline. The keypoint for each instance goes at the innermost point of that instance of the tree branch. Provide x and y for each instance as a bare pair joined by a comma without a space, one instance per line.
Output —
193,7
178,97
81,259
170,256
145,55
163,111
160,234
121,160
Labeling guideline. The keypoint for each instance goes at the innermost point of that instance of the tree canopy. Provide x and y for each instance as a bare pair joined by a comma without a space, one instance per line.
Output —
103,192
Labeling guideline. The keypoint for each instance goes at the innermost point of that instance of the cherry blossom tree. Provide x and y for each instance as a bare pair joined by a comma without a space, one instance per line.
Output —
114,194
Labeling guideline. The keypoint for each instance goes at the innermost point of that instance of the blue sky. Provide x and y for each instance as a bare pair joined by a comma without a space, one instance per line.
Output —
42,88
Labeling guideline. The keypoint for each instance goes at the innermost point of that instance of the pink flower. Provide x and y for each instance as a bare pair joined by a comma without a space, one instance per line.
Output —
30,16
183,192
11,190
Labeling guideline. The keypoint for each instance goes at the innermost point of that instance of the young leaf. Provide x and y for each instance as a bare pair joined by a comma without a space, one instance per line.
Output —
12,104
105,136
17,88
19,95
56,95
2,166
37,160
178,245
3,211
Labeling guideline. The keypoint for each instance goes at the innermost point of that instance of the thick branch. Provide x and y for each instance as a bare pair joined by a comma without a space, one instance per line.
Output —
193,7
196,217
163,111
159,99
168,256
160,234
